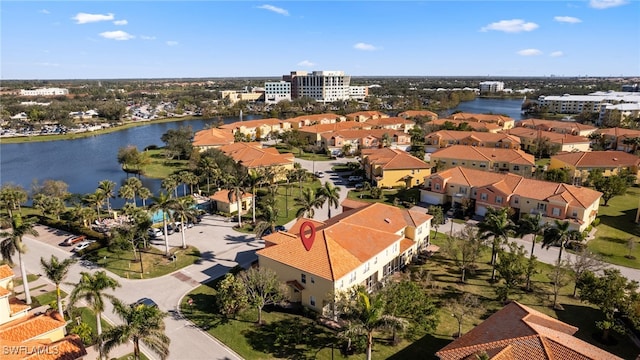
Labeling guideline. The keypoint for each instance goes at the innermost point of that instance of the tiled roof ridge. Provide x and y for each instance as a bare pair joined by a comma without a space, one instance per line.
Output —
489,345
326,247
464,175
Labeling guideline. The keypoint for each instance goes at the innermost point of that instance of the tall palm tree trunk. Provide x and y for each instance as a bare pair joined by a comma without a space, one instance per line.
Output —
253,204
166,237
239,203
59,298
99,324
25,284
369,344
184,229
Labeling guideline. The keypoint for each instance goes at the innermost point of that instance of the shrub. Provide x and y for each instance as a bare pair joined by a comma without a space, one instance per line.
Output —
596,222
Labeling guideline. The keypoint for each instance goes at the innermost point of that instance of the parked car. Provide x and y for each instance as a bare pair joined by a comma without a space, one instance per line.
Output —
146,302
319,174
359,186
178,226
73,240
83,245
170,229
354,178
154,233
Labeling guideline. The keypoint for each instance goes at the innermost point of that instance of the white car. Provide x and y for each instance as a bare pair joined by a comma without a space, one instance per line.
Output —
319,174
154,233
354,178
178,225
83,245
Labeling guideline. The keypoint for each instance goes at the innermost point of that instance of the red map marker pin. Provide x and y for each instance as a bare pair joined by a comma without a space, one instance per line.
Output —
307,239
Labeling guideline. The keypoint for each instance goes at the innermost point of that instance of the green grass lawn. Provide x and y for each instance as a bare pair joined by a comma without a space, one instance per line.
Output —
154,263
161,167
130,357
292,336
285,199
47,297
617,225
85,315
30,278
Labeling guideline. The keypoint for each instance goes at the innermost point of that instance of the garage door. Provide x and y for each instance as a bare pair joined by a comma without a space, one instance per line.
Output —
481,210
429,198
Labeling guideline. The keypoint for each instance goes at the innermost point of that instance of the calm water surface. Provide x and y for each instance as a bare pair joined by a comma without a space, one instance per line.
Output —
83,163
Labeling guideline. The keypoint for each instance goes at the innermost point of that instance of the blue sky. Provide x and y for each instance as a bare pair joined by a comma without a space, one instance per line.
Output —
167,39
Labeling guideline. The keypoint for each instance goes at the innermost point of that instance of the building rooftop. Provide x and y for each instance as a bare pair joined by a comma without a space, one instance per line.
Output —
478,126
414,113
555,124
478,153
554,137
393,159
598,159
474,135
253,155
212,137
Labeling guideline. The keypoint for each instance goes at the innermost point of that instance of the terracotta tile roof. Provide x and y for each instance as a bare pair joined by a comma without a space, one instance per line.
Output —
554,137
479,153
478,126
367,114
4,292
353,204
313,117
346,241
515,184
323,128
68,348
619,132
223,196
393,159
212,137
519,332
27,328
389,121
491,118
549,125
598,159
16,305
251,123
6,272
357,134
413,113
477,135
253,155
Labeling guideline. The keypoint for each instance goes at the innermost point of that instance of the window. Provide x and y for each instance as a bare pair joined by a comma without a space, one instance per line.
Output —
437,186
516,200
366,267
516,167
555,211
352,278
303,278
419,230
483,196
498,199
574,214
313,280
542,206
312,300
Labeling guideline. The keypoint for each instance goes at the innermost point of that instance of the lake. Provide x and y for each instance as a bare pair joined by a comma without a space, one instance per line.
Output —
83,163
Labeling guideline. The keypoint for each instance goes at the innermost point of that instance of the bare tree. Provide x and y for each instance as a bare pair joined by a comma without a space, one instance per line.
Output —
464,248
582,262
461,307
560,277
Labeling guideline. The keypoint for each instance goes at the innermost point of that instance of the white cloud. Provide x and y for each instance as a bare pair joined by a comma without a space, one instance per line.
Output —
365,47
84,18
44,11
567,19
275,9
605,4
511,26
306,63
530,52
172,43
120,22
116,35
556,54
147,37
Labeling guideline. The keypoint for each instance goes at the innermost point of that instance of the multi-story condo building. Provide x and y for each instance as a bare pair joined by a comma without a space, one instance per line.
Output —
390,167
361,246
253,156
358,92
446,138
563,127
564,142
503,121
619,138
485,159
322,86
554,201
580,164
352,140
491,86
592,103
275,92
45,92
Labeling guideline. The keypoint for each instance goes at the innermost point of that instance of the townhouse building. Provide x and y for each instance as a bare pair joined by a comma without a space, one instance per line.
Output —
580,164
253,156
359,139
409,114
212,138
392,123
387,168
554,201
313,119
445,138
439,124
563,127
362,116
257,129
361,246
226,202
619,138
503,121
28,335
485,159
313,133
564,142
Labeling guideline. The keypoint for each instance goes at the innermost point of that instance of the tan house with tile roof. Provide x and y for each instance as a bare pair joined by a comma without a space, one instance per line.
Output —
415,113
518,332
504,122
254,157
392,123
307,120
32,336
564,142
257,129
476,126
484,158
361,246
361,116
563,127
313,133
580,164
555,201
221,202
615,137
212,138
358,139
388,168
445,138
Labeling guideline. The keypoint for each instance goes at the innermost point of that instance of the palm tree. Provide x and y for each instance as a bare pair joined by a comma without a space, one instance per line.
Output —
331,194
11,196
497,226
254,179
307,203
136,185
142,323
530,225
107,187
369,316
560,235
56,271
144,193
269,218
91,289
208,169
236,184
13,243
96,200
170,184
188,178
185,212
127,192
165,204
